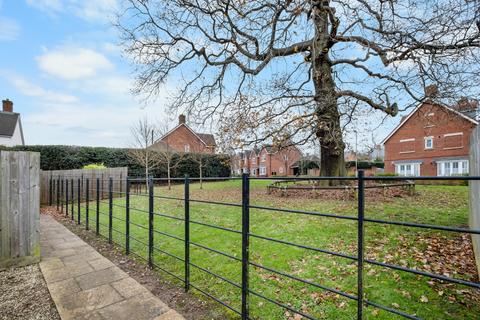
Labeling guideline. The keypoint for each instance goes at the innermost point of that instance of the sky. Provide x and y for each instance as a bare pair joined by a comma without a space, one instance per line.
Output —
62,66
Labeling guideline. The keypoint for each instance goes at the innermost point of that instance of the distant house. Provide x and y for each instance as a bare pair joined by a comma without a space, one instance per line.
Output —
267,161
278,161
11,132
182,138
433,140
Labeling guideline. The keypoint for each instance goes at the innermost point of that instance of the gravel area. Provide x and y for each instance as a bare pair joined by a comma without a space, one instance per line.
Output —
24,295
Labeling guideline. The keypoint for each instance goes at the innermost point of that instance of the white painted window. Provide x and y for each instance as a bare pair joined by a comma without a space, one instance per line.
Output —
407,169
263,158
263,171
428,142
187,148
280,170
452,168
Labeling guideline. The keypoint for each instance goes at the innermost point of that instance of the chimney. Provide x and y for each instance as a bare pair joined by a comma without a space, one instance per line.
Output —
7,105
466,105
431,91
181,119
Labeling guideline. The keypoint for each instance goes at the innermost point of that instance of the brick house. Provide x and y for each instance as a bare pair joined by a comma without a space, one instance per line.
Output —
245,162
11,132
433,140
278,162
183,139
267,161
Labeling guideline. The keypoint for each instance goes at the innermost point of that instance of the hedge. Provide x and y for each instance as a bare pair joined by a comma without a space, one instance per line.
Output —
364,164
57,157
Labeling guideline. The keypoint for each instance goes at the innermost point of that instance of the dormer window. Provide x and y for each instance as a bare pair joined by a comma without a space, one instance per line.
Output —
428,142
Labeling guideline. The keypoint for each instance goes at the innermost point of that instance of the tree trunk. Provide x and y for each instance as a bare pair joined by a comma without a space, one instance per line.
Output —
168,175
328,128
146,176
201,175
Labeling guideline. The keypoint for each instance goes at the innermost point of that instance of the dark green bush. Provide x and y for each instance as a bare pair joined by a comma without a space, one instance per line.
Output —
72,157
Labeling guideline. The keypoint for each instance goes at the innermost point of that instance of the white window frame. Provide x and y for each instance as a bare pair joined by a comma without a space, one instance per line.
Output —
280,170
186,148
263,158
263,171
428,139
448,168
408,169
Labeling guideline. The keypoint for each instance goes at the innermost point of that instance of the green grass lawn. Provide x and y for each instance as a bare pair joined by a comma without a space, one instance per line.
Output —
442,205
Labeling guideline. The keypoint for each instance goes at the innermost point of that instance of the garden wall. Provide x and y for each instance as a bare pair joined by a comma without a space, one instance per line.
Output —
19,208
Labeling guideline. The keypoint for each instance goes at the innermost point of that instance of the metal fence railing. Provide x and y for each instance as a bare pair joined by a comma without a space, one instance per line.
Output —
69,194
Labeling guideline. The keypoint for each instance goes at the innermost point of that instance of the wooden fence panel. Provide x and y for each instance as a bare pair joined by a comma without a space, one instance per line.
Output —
118,175
19,208
474,219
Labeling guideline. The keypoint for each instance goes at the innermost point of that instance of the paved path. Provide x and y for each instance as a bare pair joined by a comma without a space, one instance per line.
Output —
86,285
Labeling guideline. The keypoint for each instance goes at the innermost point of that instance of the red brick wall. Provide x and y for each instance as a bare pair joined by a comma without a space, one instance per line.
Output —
282,167
183,136
253,162
266,163
275,163
429,120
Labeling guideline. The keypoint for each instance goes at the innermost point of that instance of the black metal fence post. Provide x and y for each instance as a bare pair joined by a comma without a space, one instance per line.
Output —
79,196
110,209
150,222
66,197
87,203
72,195
360,253
245,243
127,216
187,232
97,212
50,191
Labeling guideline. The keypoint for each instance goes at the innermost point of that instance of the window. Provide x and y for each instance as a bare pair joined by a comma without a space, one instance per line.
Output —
407,169
452,168
254,160
263,158
187,148
428,142
280,170
263,171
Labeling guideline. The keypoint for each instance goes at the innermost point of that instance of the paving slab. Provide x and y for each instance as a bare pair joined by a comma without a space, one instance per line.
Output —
86,285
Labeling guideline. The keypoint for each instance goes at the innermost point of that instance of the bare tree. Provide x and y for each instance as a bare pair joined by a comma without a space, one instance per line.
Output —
166,154
197,155
297,70
143,134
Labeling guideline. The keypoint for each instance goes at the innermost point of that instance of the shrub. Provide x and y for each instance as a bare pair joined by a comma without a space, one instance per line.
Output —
57,157
386,174
94,166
